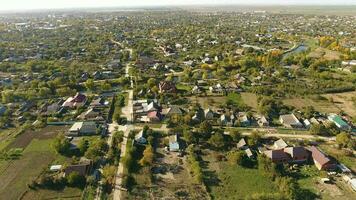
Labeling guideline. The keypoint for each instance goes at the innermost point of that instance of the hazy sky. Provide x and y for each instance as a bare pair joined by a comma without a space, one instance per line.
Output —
42,4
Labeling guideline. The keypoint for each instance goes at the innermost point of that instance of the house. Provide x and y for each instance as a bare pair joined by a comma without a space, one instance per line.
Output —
98,103
174,143
167,87
277,156
83,128
280,144
74,102
54,107
321,161
339,122
290,121
82,169
208,114
91,114
298,154
140,139
263,122
242,144
154,116
173,110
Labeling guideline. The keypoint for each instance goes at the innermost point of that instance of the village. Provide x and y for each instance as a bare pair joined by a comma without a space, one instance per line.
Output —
241,105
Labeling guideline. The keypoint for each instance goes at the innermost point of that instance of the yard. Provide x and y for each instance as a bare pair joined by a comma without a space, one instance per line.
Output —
309,180
225,181
174,181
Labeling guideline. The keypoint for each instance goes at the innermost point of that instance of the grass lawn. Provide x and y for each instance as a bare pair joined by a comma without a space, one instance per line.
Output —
250,100
187,88
236,182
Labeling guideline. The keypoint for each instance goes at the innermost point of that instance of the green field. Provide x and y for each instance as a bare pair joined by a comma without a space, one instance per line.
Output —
16,174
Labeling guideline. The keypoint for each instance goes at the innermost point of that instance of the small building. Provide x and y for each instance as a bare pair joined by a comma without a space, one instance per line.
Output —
307,123
244,120
55,168
2,109
208,114
290,121
339,122
277,156
249,153
98,103
83,128
263,122
321,161
242,144
174,143
280,144
298,154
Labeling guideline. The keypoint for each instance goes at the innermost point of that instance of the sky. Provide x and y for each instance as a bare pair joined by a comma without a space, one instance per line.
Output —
53,4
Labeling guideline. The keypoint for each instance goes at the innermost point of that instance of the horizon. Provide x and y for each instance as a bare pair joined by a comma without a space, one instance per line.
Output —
42,5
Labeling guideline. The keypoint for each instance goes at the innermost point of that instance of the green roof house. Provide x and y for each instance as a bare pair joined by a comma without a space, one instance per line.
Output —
339,122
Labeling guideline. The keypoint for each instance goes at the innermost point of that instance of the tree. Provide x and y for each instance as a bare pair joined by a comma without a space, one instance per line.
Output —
236,157
61,144
217,140
188,136
74,179
148,156
83,145
343,139
254,138
89,84
318,129
235,135
205,128
109,174
266,166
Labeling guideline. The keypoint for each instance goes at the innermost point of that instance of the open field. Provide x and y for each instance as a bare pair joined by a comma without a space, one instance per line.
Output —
343,102
250,100
22,140
225,181
37,155
325,53
319,105
208,101
18,173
